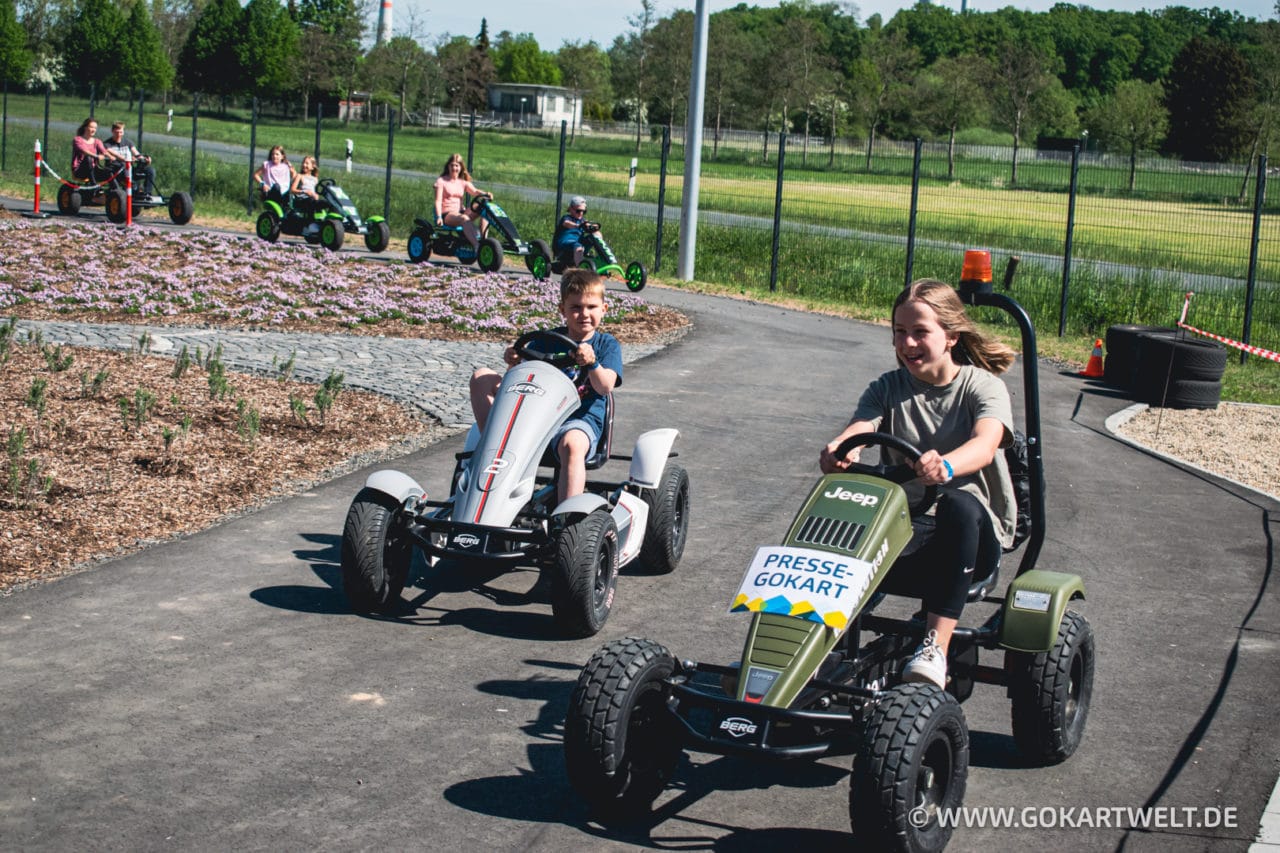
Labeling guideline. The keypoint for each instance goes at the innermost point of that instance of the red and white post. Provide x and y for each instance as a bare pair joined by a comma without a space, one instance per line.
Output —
128,187
36,209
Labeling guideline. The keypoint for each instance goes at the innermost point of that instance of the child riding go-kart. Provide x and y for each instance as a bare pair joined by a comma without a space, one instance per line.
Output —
502,511
810,681
449,241
597,256
110,190
326,220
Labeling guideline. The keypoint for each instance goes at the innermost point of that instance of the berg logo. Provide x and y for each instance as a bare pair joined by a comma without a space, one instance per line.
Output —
738,726
841,494
497,465
527,388
466,540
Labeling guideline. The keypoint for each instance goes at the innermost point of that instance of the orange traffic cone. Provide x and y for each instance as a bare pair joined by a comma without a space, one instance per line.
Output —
1093,370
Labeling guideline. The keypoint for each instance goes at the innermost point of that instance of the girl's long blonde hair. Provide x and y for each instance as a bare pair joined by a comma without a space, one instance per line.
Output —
462,172
972,347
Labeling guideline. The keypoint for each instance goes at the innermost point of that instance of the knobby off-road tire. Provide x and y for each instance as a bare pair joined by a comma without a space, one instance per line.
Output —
375,555
268,227
489,255
68,200
180,208
419,245
377,237
585,574
913,761
332,234
1050,693
636,276
117,206
664,537
621,746
538,261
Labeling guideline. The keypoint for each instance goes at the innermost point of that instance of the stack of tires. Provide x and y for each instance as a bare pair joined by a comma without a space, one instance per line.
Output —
1164,367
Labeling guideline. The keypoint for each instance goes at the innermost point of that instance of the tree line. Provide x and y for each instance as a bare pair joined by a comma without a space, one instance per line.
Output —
1202,85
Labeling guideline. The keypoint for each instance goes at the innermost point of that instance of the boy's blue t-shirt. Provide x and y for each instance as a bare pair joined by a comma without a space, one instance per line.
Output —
608,354
568,236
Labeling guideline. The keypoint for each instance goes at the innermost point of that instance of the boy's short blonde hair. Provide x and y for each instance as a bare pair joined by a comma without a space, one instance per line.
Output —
580,281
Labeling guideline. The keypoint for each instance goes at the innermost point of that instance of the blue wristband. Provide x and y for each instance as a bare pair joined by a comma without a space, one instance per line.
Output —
593,365
951,472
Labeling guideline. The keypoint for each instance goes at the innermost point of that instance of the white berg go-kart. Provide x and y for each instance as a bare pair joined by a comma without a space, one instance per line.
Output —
502,511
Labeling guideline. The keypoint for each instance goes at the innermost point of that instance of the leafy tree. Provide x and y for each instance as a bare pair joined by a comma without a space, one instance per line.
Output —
727,84
479,72
91,41
1133,118
1209,95
670,66
210,61
143,63
882,78
453,57
269,52
15,59
584,68
1020,75
330,38
951,95
402,68
629,63
519,60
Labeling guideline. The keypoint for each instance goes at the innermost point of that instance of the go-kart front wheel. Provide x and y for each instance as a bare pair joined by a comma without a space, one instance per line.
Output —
539,259
68,200
1050,692
585,574
180,208
664,536
375,555
268,227
913,761
637,278
489,255
332,234
419,245
621,746
117,206
378,236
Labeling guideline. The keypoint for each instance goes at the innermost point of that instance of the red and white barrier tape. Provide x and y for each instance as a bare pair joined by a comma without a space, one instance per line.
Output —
1249,348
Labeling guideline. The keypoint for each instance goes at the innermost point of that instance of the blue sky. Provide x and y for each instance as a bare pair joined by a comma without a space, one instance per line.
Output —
554,21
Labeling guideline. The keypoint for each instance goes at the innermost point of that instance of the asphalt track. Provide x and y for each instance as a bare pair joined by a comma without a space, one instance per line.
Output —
215,692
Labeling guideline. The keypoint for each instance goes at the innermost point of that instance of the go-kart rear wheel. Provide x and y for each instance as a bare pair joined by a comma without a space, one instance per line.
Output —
180,208
377,237
68,200
621,745
117,205
419,245
636,277
375,554
332,234
268,227
539,259
1050,692
489,255
913,761
585,574
664,536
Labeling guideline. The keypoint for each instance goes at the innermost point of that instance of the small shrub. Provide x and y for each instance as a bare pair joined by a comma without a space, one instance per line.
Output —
24,476
134,413
183,362
298,407
285,369
327,393
248,421
219,387
55,360
91,389
143,344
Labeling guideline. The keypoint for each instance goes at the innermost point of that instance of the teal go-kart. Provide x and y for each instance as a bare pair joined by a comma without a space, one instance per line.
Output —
326,220
598,257
820,670
112,193
449,241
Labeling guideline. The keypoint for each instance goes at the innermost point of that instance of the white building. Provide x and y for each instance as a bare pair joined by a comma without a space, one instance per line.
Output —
535,105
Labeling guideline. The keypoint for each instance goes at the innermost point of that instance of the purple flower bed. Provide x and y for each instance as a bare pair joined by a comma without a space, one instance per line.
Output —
73,268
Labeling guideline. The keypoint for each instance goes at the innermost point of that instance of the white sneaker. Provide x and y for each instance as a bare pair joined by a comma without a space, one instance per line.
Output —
929,665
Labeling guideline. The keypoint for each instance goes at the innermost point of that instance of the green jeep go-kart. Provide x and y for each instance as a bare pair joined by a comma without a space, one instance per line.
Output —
820,671
598,257
326,220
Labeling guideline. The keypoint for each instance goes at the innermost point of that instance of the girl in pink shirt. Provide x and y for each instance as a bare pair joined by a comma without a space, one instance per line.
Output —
452,185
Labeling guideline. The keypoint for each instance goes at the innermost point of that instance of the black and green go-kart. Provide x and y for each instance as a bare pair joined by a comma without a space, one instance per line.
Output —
598,257
332,217
502,238
820,670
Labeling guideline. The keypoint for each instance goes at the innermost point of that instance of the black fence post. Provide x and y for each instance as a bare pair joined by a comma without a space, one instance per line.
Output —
471,144
48,93
142,94
777,213
319,112
1067,245
253,153
662,195
915,210
1259,196
195,117
391,142
560,173
4,129
93,101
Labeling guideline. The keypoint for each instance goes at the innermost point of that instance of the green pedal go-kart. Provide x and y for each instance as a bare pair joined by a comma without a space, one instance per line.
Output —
449,241
330,219
820,671
598,257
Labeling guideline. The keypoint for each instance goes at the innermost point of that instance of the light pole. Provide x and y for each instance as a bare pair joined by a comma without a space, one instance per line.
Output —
522,101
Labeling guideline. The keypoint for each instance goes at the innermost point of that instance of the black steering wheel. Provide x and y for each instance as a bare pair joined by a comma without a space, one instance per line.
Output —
557,344
478,200
323,184
899,474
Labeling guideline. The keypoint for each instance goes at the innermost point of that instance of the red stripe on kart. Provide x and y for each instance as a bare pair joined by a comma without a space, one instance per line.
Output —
506,434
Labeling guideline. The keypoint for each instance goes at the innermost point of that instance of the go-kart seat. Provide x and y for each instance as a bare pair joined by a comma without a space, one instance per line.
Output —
985,575
600,455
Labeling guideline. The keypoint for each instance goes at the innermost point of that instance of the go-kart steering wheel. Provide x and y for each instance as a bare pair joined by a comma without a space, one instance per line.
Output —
478,200
557,358
899,474
323,184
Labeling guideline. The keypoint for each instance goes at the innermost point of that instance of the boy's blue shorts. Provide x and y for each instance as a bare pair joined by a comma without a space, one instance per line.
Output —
578,424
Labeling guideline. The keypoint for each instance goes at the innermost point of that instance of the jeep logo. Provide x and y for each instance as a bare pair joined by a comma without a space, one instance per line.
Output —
840,494
527,388
738,726
466,540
